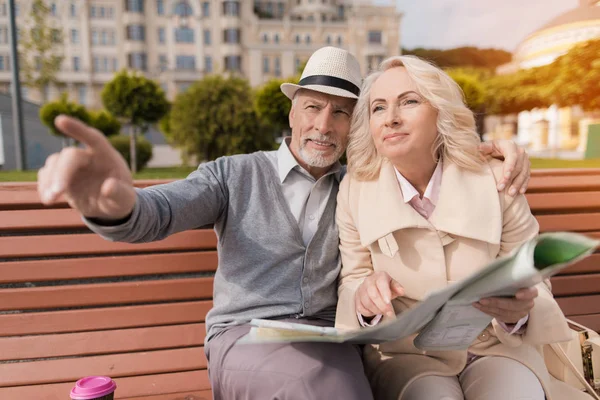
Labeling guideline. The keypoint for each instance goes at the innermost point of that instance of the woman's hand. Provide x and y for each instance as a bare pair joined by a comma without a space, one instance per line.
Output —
374,296
509,310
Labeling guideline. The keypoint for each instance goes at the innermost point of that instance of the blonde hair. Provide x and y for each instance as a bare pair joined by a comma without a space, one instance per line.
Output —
457,138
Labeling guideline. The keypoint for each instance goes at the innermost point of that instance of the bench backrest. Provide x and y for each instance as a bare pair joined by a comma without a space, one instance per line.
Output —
73,304
569,200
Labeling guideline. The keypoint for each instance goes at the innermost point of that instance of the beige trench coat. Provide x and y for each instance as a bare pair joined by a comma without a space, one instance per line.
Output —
471,225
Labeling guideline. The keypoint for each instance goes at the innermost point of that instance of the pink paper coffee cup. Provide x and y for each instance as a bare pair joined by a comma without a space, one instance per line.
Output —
94,388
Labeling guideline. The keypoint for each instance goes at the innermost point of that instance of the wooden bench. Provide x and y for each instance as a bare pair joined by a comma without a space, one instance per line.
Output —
569,200
72,304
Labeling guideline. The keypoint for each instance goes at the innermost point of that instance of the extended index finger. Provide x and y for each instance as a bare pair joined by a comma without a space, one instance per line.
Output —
81,132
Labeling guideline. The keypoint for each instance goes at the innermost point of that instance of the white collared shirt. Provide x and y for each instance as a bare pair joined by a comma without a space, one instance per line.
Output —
305,196
425,205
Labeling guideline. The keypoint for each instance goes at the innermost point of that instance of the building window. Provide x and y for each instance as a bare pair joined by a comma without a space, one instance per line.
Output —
231,8
74,36
328,40
102,12
111,12
206,35
4,63
186,62
104,38
3,10
266,65
277,67
137,61
339,41
297,39
82,94
208,66
73,10
162,35
93,12
53,9
3,35
265,38
231,35
280,10
307,39
160,7
136,32
297,65
375,37
115,65
76,64
206,9
183,9
163,63
233,63
134,6
56,35
184,35
276,38
96,64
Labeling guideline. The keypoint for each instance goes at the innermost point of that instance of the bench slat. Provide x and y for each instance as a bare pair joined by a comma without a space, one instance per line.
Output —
28,220
84,320
564,202
569,222
591,321
579,305
104,267
139,386
564,183
115,365
82,244
101,342
23,195
586,266
106,294
571,285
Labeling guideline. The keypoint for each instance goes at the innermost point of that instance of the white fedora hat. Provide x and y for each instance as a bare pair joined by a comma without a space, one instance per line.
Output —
329,70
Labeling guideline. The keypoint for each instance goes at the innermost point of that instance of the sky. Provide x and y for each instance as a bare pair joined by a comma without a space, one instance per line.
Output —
483,23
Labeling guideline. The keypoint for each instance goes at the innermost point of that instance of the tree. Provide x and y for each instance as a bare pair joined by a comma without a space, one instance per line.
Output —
51,110
576,77
523,90
473,89
215,117
105,122
272,106
41,50
137,101
463,57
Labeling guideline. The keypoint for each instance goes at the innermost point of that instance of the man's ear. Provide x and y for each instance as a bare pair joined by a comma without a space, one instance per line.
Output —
291,116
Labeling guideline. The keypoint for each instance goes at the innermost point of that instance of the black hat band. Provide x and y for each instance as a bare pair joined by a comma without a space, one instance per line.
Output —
326,80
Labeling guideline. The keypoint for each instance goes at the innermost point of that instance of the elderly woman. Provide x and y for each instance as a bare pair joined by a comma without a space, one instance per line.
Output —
419,210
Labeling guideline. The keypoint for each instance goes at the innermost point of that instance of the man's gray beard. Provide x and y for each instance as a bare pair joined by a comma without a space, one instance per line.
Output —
314,159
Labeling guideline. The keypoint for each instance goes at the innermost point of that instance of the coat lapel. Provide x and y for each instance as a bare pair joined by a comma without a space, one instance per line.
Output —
468,206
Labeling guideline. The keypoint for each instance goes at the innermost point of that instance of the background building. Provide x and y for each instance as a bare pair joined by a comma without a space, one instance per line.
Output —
177,42
556,37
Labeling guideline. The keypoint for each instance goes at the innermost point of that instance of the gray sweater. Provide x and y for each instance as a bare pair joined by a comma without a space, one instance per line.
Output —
265,271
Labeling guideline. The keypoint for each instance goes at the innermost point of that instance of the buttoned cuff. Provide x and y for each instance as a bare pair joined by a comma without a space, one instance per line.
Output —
518,328
361,320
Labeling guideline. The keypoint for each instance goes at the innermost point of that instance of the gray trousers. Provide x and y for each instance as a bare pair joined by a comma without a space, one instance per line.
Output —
303,371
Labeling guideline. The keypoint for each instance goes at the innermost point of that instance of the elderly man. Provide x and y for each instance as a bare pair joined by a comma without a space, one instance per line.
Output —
273,213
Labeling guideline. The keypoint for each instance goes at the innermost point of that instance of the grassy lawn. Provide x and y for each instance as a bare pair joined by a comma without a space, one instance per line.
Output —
182,172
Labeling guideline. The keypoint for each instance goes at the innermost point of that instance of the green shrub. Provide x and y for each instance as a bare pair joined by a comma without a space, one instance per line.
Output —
143,147
105,122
